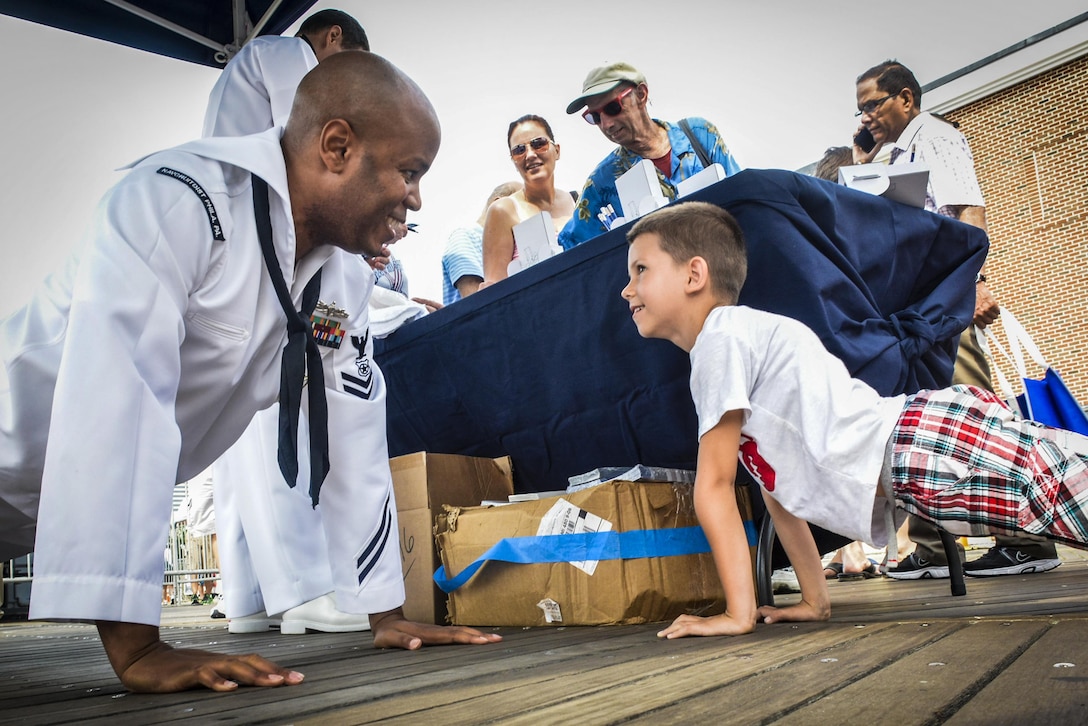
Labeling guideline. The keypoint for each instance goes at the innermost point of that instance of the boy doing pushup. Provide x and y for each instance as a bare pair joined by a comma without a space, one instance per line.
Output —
824,447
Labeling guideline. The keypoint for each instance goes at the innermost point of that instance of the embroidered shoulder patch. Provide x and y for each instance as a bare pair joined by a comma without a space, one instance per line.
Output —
209,208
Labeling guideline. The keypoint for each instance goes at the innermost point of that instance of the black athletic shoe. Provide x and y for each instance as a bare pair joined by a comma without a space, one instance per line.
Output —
1008,561
917,568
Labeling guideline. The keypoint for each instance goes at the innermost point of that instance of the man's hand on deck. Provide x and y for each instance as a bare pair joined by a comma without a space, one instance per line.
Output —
145,664
391,630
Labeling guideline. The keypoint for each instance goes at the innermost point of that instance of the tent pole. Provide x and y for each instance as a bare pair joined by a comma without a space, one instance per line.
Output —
260,23
163,23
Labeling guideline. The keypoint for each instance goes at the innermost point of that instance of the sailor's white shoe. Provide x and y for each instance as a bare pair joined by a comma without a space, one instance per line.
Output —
321,614
254,623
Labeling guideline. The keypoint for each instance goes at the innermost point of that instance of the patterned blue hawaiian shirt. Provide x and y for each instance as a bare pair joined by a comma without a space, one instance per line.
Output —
600,188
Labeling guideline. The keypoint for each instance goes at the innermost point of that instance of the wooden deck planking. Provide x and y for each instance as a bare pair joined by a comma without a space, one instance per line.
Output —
534,691
1035,688
928,683
873,662
821,673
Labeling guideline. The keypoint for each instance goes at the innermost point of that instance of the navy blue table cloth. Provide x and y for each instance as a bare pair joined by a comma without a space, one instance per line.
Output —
547,367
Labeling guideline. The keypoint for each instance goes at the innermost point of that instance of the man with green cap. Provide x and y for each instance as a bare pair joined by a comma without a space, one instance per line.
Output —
615,97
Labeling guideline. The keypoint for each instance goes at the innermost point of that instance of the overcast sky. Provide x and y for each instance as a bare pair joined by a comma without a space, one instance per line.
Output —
776,77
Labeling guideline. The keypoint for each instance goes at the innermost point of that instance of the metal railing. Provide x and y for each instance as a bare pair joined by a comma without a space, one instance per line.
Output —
191,570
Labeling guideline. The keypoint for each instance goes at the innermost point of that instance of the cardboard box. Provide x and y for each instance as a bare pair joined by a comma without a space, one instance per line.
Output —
422,484
619,591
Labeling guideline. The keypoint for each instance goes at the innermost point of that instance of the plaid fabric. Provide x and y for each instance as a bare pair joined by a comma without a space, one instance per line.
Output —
962,459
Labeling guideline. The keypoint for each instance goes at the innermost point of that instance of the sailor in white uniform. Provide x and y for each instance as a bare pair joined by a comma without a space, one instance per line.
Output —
256,88
271,541
145,358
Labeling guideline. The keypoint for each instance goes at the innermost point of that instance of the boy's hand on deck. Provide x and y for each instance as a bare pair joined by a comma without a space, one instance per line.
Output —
802,612
391,630
723,624
145,664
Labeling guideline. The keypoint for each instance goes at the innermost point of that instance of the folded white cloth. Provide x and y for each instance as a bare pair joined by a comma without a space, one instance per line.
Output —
389,310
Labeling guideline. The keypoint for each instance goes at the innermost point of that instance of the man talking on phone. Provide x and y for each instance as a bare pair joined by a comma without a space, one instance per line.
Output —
889,108
615,99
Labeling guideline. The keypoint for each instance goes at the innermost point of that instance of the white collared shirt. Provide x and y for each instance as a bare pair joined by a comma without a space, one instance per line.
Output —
942,148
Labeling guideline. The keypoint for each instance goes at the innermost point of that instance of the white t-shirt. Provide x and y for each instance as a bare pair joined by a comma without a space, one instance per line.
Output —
813,437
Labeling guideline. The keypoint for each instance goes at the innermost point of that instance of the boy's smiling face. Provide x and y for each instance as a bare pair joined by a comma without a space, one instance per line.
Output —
657,291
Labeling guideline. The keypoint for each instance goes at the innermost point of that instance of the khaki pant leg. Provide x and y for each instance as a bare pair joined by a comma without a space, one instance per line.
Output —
972,368
927,537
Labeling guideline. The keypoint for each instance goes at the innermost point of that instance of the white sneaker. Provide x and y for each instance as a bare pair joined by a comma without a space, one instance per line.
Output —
255,623
321,614
784,580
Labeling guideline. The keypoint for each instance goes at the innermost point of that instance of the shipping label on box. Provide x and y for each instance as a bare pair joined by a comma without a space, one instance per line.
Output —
638,590
422,484
567,518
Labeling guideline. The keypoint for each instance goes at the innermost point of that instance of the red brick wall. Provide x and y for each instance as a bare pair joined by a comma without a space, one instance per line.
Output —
1030,144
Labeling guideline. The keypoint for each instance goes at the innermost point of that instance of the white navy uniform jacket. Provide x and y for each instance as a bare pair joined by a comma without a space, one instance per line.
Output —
255,90
143,361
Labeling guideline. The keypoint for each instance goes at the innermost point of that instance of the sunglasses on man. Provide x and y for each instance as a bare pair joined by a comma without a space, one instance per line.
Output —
537,144
612,108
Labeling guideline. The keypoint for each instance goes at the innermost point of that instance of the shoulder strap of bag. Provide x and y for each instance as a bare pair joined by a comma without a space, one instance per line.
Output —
986,338
699,150
1020,340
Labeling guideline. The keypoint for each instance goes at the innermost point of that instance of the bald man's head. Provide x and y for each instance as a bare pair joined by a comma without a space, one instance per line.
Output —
363,88
360,136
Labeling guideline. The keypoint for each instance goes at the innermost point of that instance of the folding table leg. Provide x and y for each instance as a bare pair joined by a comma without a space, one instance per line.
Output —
955,565
764,551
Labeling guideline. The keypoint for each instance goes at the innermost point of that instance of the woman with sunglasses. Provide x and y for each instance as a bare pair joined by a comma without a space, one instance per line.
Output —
534,153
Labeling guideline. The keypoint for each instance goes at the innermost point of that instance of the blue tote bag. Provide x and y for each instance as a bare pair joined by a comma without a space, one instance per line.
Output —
1046,400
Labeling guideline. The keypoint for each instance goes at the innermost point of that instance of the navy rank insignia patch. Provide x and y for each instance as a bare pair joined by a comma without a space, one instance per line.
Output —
360,385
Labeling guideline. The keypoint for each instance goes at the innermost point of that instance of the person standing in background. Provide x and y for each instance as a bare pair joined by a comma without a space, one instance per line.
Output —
616,99
534,153
889,102
258,514
463,260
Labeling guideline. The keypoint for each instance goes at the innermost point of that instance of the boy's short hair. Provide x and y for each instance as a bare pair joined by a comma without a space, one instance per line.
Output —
699,229
828,166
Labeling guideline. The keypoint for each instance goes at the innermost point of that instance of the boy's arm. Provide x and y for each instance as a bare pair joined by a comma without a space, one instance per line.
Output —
797,540
719,516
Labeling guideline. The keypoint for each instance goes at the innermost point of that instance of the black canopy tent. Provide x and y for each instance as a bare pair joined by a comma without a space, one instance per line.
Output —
207,32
